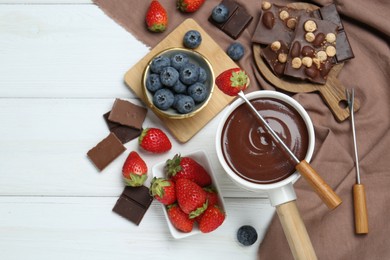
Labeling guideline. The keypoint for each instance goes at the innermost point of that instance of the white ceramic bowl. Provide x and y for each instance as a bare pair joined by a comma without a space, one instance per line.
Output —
194,57
200,157
272,186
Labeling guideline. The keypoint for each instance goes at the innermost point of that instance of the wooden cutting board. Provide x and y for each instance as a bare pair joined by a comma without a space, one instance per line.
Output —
185,129
332,92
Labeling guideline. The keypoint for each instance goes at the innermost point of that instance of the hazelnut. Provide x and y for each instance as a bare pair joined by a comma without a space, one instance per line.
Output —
307,61
310,26
296,63
282,57
321,55
291,23
317,62
283,15
275,46
309,37
330,51
266,5
330,37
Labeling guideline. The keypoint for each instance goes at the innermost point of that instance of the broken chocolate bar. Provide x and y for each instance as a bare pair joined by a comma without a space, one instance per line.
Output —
126,113
124,133
275,54
312,50
237,21
133,203
106,151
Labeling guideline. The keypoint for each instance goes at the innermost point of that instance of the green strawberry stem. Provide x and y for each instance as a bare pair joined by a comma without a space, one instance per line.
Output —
157,187
238,79
199,211
173,165
135,180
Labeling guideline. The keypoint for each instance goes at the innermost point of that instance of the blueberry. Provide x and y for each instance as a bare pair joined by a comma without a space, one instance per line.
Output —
198,92
179,87
179,60
184,104
235,51
202,75
153,82
220,13
247,235
169,76
159,63
163,99
192,39
189,74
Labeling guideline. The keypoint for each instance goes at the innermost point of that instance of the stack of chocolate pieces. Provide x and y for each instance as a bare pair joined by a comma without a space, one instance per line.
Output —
302,44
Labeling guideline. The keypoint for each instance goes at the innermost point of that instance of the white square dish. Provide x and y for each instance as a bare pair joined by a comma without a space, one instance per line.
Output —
200,157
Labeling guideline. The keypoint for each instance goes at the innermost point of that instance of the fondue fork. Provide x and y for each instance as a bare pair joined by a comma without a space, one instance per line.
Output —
359,194
328,196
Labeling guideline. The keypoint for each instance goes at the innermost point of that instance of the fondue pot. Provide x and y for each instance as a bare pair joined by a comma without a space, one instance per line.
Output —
280,191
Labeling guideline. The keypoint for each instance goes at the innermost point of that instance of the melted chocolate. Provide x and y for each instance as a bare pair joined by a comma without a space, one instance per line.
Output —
250,150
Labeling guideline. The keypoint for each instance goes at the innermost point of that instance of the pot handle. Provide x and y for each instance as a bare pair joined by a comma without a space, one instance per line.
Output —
295,231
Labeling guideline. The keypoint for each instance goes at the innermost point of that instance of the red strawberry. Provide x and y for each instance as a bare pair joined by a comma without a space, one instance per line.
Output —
134,170
232,81
212,196
211,219
190,197
154,140
185,167
156,17
179,219
189,6
163,190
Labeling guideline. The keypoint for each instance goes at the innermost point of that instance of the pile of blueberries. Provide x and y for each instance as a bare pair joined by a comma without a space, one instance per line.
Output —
176,82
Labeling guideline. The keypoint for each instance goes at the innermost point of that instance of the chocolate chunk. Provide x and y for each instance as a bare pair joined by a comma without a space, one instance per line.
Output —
133,203
330,13
124,133
343,47
237,22
126,113
106,151
274,55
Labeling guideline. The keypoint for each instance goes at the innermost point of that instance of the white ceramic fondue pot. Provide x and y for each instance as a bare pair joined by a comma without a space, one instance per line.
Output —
281,193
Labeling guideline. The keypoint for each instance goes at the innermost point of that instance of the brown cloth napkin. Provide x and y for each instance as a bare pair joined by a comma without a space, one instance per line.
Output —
331,232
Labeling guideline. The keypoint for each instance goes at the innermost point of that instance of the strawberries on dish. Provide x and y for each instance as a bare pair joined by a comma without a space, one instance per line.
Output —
179,219
190,197
163,190
211,219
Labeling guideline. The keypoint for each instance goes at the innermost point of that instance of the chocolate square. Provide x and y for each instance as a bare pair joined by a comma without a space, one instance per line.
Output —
271,56
106,151
133,203
124,133
126,113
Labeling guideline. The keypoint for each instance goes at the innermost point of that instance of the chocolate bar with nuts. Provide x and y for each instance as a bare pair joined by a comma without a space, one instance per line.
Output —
276,23
312,50
275,55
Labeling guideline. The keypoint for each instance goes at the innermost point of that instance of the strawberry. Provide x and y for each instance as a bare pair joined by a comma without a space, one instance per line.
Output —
163,190
134,170
179,219
154,140
190,197
211,219
189,6
212,196
232,81
156,17
185,167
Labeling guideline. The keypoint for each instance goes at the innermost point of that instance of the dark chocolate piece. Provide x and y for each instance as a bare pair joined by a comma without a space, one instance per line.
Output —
312,50
275,54
106,151
133,203
124,133
276,23
237,22
126,113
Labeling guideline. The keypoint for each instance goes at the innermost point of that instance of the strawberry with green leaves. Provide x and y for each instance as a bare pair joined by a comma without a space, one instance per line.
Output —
185,167
189,6
163,190
156,17
179,219
134,170
154,140
232,81
191,197
212,196
211,219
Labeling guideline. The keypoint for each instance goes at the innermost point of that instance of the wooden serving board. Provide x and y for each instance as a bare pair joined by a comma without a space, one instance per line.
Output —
333,91
184,129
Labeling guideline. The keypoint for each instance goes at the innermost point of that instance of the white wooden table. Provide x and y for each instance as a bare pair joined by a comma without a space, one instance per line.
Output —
61,67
